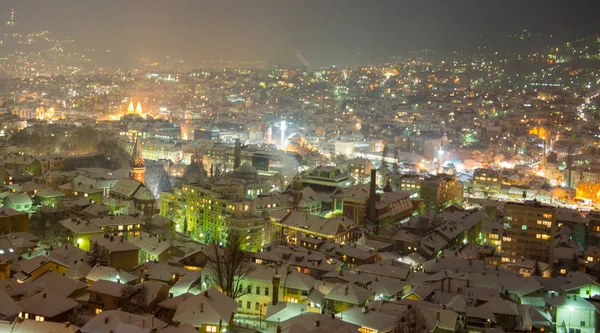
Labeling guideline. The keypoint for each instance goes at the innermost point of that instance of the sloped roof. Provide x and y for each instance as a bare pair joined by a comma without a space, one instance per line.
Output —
349,293
47,304
208,307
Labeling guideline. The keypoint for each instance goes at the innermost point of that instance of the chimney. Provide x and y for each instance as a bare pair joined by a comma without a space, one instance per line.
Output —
44,295
237,154
106,320
201,307
437,316
346,290
276,281
317,323
372,196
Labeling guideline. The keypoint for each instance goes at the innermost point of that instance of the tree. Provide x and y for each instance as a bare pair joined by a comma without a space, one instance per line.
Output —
50,233
229,266
116,155
411,321
133,298
575,262
98,255
537,271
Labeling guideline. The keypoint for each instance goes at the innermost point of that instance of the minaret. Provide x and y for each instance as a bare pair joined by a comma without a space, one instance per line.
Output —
137,166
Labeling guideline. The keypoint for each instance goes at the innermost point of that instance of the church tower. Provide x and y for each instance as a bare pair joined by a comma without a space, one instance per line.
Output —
137,166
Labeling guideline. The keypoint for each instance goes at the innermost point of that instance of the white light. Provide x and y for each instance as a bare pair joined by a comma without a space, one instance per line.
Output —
440,152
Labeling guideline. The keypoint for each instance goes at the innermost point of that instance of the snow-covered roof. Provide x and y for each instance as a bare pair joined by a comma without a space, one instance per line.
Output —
209,307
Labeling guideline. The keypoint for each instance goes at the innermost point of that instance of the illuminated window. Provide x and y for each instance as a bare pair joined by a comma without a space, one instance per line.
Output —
120,227
98,311
39,318
563,271
590,259
211,329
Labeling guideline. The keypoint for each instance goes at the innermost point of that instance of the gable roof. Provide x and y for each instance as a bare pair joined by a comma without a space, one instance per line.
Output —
47,304
208,307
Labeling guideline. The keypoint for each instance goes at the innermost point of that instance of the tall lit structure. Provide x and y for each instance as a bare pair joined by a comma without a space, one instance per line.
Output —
12,18
137,166
283,128
270,135
529,229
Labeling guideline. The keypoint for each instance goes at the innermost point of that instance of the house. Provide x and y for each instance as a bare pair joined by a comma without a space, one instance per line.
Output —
18,201
12,220
580,284
131,193
120,321
346,296
496,312
572,312
306,261
30,325
46,306
161,272
104,295
79,231
48,197
111,274
209,312
122,225
160,225
290,227
121,253
56,283
31,269
9,309
155,248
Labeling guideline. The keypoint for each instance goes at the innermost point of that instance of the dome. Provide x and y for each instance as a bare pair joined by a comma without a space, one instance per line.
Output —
246,171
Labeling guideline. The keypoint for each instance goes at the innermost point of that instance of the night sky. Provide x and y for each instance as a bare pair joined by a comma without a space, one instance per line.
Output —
325,31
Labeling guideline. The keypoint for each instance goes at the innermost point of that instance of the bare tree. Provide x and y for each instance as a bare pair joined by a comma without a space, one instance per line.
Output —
411,321
229,266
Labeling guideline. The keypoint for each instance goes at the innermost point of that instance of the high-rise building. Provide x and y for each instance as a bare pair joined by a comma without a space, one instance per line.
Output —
440,191
529,229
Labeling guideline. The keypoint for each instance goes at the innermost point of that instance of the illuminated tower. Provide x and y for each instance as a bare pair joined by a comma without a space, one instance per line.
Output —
138,109
12,18
283,128
130,109
137,166
270,135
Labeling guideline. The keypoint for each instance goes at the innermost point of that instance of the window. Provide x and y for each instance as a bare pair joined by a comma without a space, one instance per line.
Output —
248,305
258,290
256,306
249,290
211,329
39,318
266,291
239,304
582,324
98,311
523,227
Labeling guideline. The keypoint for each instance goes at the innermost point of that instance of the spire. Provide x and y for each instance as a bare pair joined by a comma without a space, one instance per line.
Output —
130,109
137,160
137,167
138,109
